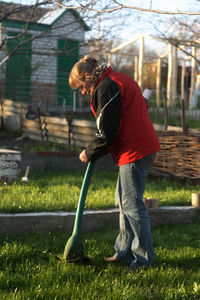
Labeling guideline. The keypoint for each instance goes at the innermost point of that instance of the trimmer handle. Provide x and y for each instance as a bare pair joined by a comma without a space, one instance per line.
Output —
82,197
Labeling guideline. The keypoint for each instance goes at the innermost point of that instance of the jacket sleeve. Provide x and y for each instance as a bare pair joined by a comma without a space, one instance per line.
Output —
107,102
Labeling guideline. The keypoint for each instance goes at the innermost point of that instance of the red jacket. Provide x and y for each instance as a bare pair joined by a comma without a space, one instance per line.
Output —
123,123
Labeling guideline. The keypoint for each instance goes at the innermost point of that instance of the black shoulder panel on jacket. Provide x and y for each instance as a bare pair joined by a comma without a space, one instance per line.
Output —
106,102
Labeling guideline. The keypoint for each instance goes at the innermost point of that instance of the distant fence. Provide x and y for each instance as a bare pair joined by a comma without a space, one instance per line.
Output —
179,155
191,114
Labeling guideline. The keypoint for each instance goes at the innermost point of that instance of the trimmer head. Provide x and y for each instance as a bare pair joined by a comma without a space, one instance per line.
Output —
74,251
74,248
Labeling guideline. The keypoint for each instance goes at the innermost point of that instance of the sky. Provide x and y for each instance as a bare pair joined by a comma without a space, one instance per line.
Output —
169,5
188,5
141,22
146,19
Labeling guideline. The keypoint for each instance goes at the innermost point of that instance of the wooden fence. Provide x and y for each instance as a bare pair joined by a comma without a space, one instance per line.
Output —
55,129
45,128
179,155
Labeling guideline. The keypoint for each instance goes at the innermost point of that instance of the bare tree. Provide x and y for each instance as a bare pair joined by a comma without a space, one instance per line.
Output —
103,16
113,5
101,24
177,24
107,19
183,34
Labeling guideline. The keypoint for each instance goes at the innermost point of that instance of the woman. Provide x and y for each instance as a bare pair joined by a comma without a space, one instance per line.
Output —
125,130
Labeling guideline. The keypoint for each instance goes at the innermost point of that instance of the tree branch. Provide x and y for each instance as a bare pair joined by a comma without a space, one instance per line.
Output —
19,9
120,6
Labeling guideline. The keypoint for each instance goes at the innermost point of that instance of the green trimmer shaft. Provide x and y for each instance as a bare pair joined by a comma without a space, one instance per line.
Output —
74,249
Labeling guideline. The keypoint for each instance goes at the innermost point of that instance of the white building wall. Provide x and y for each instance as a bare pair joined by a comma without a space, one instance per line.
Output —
44,60
44,57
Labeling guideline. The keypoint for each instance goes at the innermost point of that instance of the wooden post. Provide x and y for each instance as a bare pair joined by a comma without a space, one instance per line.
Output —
44,130
183,115
141,61
69,123
193,73
196,199
40,124
158,82
109,59
136,68
183,80
21,118
165,110
2,116
169,77
74,101
174,75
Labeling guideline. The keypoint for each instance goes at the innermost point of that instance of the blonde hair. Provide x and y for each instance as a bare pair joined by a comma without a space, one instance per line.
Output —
86,65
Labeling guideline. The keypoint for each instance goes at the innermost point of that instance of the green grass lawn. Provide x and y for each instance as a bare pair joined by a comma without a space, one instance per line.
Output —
52,191
29,268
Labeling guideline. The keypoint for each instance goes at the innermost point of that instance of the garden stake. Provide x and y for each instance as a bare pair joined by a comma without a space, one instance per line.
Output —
74,249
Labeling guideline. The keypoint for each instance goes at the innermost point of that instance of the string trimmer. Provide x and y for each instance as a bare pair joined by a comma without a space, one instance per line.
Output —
74,249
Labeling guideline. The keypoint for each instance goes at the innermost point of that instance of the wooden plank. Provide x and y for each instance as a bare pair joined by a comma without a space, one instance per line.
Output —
56,120
57,134
30,123
84,138
14,110
7,102
83,123
33,136
57,127
10,113
84,130
31,130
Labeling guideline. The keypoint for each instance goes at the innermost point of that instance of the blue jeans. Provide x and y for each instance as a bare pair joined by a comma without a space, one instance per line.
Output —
133,244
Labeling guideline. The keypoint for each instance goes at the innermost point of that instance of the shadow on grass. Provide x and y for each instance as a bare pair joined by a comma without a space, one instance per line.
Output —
175,246
181,263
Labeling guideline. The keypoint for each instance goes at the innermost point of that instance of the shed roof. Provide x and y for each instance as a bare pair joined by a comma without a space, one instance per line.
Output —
17,12
40,15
